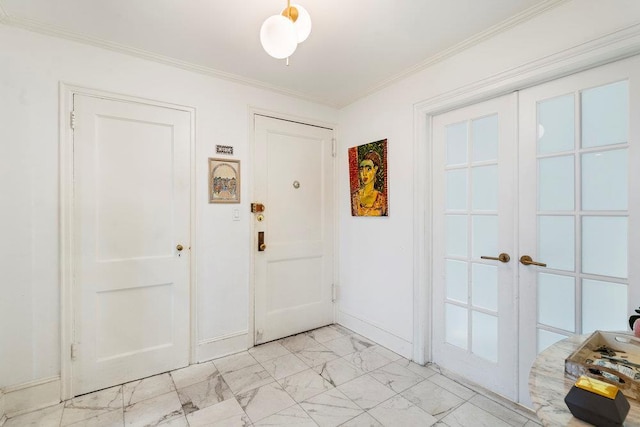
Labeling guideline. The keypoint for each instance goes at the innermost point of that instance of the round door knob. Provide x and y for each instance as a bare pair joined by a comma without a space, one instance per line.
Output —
263,246
179,247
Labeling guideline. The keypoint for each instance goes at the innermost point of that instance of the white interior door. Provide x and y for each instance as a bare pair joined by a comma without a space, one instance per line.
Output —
294,273
474,305
579,213
578,172
132,211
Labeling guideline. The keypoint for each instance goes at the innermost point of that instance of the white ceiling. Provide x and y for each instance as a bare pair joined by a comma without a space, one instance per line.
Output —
355,46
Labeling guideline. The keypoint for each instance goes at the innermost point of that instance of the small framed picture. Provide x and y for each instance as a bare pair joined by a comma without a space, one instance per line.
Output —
224,181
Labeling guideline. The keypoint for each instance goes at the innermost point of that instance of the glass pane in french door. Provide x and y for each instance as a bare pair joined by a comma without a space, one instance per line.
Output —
473,193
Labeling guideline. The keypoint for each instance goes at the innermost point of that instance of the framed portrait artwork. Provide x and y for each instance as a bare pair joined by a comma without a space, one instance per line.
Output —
368,179
224,181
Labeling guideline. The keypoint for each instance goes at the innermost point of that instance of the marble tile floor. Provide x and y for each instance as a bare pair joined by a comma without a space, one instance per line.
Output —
325,377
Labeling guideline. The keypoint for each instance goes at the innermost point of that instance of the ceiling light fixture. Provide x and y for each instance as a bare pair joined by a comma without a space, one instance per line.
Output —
280,34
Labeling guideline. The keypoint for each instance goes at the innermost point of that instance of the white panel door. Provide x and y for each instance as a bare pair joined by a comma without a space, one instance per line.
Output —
579,212
132,217
294,272
474,305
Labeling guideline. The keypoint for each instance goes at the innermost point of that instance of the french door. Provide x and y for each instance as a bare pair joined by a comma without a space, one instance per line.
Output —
564,208
578,198
474,270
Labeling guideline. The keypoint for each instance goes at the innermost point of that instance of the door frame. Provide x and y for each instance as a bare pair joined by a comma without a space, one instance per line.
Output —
67,225
251,114
600,51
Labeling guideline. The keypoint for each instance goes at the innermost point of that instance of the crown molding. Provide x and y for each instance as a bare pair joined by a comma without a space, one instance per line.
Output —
55,31
501,27
51,30
608,48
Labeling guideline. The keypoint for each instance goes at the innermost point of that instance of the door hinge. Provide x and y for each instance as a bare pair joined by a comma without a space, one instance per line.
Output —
334,297
74,351
72,120
334,148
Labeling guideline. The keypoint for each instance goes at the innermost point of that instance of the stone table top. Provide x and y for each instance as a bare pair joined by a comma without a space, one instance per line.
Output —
548,386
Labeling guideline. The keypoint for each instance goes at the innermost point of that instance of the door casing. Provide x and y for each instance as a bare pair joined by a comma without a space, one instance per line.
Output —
620,45
67,91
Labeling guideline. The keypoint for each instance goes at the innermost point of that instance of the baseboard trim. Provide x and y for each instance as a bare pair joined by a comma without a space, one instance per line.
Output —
221,346
26,397
373,332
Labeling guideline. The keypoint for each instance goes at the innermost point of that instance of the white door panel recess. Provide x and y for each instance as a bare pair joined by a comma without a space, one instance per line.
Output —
294,268
131,241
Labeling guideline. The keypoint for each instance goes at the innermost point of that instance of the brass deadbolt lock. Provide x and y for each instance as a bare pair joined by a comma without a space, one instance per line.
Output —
257,207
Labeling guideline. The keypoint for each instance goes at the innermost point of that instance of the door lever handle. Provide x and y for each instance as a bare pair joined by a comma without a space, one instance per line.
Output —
502,257
261,245
526,260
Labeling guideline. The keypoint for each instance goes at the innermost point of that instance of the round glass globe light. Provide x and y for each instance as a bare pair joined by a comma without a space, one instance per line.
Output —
303,23
278,36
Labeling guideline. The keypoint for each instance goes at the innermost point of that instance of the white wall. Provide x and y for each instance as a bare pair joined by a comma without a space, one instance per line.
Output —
31,67
377,254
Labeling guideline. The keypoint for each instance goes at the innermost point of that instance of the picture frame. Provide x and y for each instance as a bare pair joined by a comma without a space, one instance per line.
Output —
224,180
368,179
